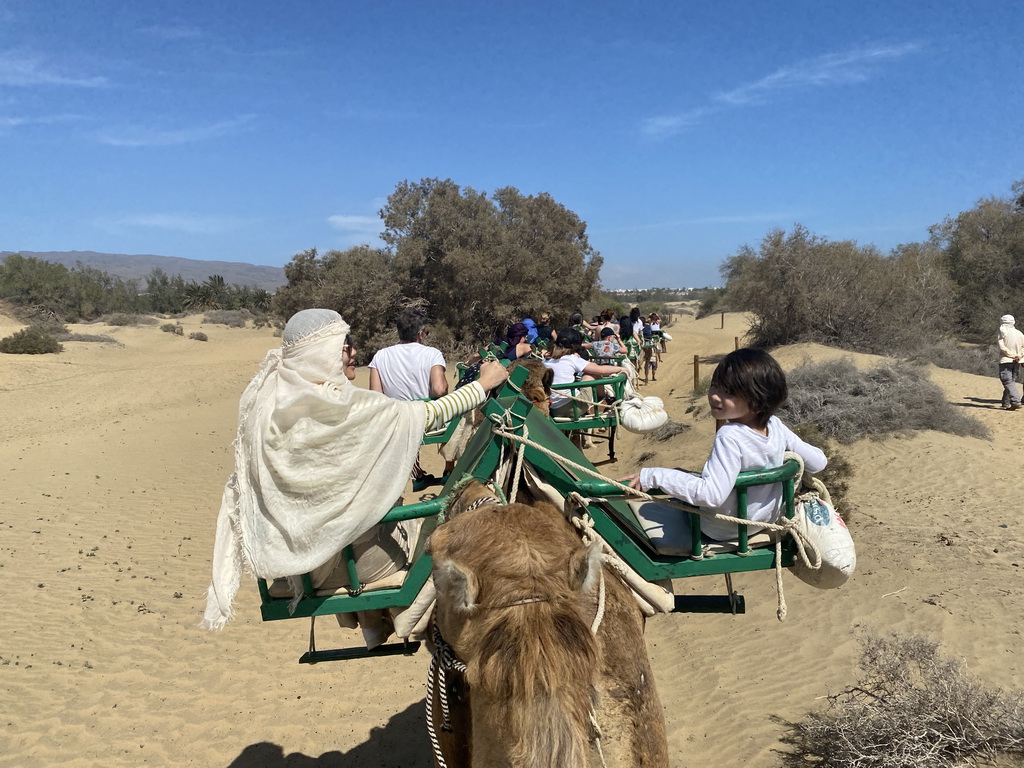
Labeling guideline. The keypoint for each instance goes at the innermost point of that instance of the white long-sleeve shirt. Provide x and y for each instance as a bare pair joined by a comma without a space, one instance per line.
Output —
1011,343
736,448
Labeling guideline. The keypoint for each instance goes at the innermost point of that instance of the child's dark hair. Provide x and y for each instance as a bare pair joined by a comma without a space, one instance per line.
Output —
569,341
755,376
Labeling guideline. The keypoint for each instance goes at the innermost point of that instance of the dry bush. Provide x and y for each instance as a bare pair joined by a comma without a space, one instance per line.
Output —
232,318
174,328
912,709
978,359
93,337
804,288
667,431
49,325
836,475
263,321
30,341
894,398
199,336
123,319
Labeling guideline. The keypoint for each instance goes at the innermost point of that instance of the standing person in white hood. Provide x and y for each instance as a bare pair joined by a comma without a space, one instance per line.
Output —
1011,349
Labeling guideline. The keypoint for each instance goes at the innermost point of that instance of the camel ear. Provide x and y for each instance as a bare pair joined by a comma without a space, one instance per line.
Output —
585,568
458,583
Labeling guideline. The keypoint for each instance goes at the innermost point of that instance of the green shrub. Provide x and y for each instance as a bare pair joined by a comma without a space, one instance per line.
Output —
30,341
198,336
174,328
894,398
912,709
49,325
233,318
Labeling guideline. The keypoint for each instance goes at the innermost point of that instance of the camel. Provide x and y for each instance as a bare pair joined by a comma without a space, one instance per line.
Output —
517,596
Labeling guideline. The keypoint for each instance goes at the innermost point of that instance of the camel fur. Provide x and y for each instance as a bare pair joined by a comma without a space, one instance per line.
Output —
517,594
537,386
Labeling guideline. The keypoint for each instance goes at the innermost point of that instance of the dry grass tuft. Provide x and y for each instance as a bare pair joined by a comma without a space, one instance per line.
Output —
667,431
912,709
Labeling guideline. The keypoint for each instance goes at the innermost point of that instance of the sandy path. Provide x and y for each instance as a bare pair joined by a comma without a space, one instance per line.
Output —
113,459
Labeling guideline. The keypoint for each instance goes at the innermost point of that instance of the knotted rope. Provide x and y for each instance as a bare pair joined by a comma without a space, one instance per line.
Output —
785,526
443,658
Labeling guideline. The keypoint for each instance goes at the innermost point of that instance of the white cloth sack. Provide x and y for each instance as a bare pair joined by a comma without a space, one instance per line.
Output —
642,414
318,462
826,530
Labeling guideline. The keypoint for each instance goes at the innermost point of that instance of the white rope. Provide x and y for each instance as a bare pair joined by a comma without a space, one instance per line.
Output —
442,660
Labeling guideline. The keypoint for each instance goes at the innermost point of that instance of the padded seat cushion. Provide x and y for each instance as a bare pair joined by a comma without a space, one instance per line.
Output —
668,529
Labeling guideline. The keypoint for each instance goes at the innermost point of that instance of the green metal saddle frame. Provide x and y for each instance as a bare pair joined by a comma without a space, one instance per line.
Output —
608,418
612,516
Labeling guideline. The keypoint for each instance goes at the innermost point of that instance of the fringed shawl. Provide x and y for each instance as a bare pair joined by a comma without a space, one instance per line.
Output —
318,462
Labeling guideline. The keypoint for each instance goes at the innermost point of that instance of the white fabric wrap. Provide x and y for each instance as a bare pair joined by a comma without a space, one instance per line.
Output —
825,529
643,414
318,462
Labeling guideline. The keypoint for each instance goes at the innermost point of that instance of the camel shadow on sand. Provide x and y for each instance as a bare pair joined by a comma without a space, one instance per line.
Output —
402,743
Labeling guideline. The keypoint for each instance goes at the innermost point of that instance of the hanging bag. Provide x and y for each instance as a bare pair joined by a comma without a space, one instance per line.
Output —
827,531
642,414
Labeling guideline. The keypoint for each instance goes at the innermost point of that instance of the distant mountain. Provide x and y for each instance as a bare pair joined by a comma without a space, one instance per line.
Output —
138,266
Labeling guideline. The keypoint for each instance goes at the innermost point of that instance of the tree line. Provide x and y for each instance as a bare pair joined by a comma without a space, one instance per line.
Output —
477,262
800,287
45,289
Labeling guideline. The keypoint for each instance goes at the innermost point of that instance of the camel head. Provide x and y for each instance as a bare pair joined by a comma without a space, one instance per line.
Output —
537,386
516,596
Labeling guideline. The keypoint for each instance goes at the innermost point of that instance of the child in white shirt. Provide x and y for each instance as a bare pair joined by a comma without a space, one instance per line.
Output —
747,387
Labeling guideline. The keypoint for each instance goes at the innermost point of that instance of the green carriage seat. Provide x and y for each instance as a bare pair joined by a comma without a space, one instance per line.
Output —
575,416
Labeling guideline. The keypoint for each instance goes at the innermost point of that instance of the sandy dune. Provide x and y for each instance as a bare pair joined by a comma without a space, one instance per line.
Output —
113,459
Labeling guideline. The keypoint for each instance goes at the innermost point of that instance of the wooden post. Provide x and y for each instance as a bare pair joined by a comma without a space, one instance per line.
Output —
696,372
723,321
736,341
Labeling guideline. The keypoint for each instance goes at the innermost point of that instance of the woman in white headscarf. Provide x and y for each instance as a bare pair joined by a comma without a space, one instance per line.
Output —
318,461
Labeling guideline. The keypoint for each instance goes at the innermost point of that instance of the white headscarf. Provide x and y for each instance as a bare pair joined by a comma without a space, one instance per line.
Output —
1007,320
318,462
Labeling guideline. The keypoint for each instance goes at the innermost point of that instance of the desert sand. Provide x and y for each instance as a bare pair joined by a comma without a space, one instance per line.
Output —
113,458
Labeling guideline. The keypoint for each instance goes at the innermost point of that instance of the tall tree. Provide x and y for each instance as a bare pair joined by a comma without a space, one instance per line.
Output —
801,287
984,249
482,262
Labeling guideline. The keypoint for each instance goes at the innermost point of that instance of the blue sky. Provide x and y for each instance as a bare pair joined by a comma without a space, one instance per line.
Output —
679,131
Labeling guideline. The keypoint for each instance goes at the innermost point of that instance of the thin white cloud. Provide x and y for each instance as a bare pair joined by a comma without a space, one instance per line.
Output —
830,69
356,230
667,125
370,224
855,66
17,122
22,70
139,136
191,224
